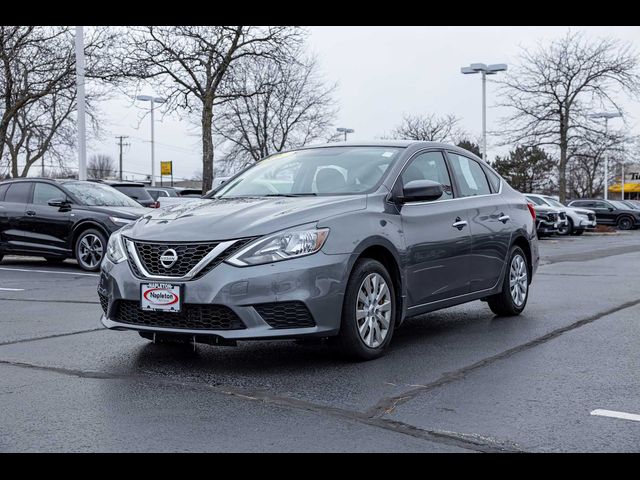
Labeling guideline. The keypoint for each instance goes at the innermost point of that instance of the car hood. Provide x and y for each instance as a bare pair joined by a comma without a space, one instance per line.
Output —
222,219
541,208
123,212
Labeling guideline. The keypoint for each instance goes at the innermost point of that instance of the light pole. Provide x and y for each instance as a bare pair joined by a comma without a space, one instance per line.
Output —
345,131
484,70
606,116
82,139
153,100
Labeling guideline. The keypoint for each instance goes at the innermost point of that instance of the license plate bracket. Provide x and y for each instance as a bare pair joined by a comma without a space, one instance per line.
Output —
161,297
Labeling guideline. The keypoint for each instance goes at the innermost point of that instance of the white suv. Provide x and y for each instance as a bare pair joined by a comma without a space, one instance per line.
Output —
579,219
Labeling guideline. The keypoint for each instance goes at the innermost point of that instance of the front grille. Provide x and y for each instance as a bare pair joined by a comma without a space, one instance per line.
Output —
552,217
192,317
189,254
286,314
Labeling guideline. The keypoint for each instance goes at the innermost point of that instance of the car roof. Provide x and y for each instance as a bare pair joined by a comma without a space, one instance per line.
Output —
115,183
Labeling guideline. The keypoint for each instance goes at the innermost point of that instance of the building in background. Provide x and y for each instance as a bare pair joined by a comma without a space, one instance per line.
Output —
631,184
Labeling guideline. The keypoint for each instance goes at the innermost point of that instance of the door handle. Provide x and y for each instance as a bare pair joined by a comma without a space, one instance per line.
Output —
459,224
31,213
504,218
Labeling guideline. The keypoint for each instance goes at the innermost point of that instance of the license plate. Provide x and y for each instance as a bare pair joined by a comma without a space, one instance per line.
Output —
164,297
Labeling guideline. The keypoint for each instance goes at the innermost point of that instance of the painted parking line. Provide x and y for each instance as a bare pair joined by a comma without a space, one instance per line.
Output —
48,271
613,414
12,289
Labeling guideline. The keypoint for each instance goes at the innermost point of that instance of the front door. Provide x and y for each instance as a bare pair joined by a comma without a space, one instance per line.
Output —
436,235
49,227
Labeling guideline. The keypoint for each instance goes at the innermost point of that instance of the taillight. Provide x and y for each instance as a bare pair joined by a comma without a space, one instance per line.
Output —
532,211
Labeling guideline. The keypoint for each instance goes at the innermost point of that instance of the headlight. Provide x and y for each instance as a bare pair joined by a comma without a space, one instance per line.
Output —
115,250
281,246
120,221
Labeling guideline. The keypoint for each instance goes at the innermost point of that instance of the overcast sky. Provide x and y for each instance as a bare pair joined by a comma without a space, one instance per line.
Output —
382,73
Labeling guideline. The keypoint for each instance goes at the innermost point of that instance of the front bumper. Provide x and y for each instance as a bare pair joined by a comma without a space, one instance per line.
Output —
585,224
316,280
546,227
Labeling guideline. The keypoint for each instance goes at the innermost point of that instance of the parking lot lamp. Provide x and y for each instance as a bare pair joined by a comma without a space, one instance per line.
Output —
153,101
484,70
345,131
606,116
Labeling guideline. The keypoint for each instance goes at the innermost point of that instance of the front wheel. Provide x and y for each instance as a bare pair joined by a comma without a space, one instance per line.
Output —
515,288
91,246
567,229
368,312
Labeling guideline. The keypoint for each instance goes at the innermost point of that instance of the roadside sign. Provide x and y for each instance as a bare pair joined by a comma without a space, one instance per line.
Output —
166,168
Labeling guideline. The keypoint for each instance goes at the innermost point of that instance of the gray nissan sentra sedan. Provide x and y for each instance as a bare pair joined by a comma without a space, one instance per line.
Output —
340,241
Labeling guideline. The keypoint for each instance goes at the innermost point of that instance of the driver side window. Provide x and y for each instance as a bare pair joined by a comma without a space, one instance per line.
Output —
43,193
429,166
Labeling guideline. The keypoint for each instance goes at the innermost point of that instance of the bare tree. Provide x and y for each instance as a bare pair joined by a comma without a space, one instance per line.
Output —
293,108
554,88
101,166
430,128
37,88
198,68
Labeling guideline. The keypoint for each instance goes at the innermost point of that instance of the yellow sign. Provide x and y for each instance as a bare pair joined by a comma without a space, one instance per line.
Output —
166,168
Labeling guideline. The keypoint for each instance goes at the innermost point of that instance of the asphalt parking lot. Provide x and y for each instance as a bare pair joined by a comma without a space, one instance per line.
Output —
455,380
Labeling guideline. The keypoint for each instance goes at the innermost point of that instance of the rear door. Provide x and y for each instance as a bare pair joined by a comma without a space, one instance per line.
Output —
605,213
13,235
437,251
49,227
489,221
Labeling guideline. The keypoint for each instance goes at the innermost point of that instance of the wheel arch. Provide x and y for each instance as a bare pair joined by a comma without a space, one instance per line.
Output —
522,242
384,252
83,226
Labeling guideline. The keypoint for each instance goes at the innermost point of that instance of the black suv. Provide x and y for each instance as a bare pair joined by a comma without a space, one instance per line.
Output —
59,219
134,190
611,212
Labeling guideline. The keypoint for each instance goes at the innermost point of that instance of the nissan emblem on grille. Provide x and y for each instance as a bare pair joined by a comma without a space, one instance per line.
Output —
169,258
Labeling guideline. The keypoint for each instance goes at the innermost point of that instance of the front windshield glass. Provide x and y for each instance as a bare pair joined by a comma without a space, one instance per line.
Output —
316,171
618,205
553,202
97,194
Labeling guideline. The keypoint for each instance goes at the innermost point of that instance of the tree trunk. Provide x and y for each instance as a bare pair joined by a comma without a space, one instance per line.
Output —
207,146
562,167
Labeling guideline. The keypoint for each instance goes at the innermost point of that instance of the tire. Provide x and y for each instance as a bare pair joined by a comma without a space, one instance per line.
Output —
568,230
577,233
367,275
504,304
54,260
624,223
90,248
1,256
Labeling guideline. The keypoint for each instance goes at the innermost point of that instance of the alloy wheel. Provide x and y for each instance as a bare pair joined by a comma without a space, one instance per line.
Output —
90,251
518,280
373,310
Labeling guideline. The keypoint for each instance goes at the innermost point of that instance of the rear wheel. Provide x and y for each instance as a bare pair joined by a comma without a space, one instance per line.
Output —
368,312
1,256
625,223
515,288
91,246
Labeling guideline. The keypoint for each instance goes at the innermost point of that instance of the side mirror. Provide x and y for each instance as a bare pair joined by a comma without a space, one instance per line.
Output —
610,209
61,203
421,190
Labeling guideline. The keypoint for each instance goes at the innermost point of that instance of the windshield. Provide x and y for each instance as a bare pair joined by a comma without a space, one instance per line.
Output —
316,171
97,194
553,202
619,205
137,193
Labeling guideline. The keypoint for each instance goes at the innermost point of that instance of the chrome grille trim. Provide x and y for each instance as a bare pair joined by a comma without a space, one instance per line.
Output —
133,255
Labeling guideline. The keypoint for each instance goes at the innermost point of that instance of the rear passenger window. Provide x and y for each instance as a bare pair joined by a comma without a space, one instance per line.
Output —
494,180
429,166
18,192
469,176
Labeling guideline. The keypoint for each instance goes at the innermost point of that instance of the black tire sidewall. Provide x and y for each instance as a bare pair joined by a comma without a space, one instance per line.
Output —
349,334
103,239
620,221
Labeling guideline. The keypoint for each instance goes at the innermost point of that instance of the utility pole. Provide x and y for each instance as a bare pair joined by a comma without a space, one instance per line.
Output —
120,139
